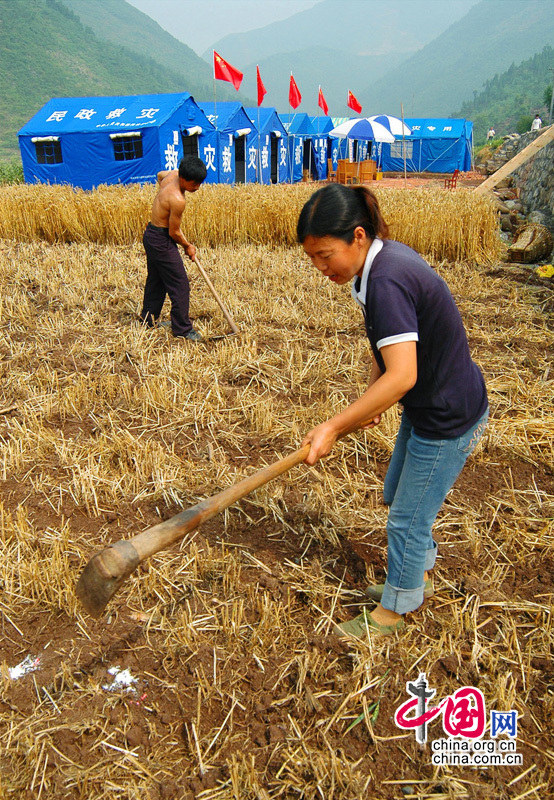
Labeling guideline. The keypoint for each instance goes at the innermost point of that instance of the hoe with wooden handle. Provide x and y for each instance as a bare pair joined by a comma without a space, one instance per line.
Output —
219,301
107,570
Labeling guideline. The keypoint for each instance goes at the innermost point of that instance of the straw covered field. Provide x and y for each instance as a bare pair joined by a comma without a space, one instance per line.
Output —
213,672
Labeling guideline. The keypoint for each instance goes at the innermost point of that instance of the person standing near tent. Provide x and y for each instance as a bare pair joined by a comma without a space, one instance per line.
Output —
421,359
166,271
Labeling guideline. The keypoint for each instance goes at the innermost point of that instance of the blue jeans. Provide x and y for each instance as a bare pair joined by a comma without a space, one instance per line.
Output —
420,475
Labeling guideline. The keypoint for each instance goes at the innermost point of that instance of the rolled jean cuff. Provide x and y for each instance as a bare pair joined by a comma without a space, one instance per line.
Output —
402,601
431,557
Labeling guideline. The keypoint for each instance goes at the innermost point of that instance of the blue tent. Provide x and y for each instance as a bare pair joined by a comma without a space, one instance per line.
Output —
321,125
301,154
237,142
272,144
86,141
322,144
338,148
435,145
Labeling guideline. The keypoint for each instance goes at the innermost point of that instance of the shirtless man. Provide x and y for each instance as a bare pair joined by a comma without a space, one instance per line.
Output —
166,271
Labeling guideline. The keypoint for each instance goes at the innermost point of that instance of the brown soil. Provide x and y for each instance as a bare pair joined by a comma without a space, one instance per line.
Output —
149,736
393,180
465,180
163,708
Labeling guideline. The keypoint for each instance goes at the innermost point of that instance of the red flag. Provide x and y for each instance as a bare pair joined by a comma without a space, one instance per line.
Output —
322,103
223,71
262,91
295,98
353,103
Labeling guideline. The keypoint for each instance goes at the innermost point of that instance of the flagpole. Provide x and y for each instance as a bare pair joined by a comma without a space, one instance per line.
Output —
291,137
259,84
294,143
318,127
403,144
319,134
322,105
291,156
293,115
318,122
309,159
297,100
215,104
260,176
215,96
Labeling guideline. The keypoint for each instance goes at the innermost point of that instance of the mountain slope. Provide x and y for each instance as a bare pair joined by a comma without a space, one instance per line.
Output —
124,25
338,44
369,28
507,97
47,52
445,73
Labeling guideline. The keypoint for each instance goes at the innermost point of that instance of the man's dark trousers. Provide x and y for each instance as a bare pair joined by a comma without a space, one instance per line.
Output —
166,275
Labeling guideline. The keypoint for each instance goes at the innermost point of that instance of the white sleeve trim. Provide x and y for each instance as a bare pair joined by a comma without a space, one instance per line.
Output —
400,337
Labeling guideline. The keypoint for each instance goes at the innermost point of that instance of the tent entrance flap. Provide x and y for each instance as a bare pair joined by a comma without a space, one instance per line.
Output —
359,149
308,159
189,143
274,159
240,160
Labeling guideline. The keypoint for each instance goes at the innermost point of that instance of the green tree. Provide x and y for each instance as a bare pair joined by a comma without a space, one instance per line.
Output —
11,171
504,98
524,123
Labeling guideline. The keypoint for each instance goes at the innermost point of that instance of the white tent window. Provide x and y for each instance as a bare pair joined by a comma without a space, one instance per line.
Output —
404,149
48,149
127,145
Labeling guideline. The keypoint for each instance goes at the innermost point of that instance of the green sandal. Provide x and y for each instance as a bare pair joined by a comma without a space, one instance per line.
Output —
363,624
375,592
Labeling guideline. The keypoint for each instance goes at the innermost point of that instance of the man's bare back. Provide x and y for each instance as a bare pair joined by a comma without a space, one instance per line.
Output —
169,205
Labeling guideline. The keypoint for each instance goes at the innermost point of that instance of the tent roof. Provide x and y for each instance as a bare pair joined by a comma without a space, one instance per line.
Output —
269,119
298,123
80,114
322,124
231,116
426,128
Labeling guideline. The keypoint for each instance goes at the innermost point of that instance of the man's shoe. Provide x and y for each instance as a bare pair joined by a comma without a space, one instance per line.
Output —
362,625
376,592
193,336
165,324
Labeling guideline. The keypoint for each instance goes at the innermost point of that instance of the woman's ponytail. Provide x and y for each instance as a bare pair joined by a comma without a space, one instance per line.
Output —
378,224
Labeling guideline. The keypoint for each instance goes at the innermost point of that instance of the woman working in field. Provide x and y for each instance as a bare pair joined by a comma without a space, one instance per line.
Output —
421,359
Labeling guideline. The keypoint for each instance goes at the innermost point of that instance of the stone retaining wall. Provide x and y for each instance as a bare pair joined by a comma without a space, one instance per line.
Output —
534,179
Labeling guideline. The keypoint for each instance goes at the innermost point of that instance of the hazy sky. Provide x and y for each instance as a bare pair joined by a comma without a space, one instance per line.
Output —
201,23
